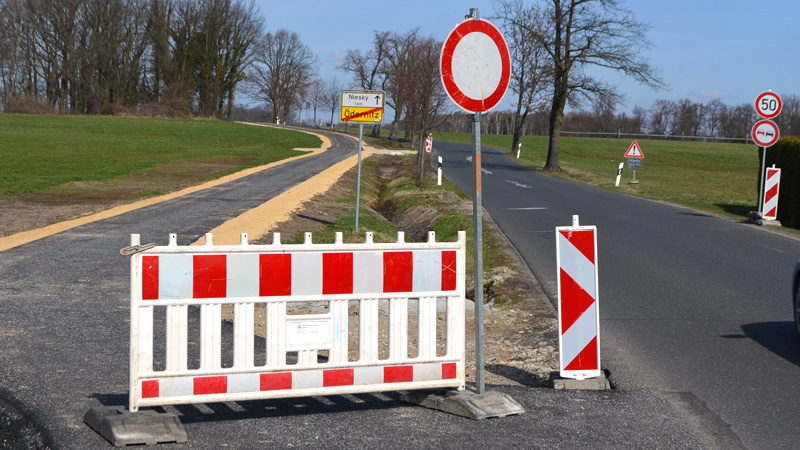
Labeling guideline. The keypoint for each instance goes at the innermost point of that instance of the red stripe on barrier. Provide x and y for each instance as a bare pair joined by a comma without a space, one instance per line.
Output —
771,193
276,381
275,274
583,240
210,276
149,277
150,389
449,371
340,377
337,273
398,374
771,172
586,359
398,271
210,385
574,301
449,270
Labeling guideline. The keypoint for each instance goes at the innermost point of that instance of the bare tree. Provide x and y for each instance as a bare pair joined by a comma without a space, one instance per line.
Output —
531,70
661,117
399,70
789,119
736,121
687,118
331,97
426,99
713,109
227,31
588,33
283,67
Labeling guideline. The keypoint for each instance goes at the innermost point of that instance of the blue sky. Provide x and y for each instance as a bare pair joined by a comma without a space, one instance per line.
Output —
704,49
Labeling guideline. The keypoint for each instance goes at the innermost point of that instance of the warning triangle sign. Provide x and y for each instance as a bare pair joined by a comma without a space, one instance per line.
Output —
634,151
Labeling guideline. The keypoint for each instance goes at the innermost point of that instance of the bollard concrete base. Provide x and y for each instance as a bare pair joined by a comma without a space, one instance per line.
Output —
590,384
121,427
467,404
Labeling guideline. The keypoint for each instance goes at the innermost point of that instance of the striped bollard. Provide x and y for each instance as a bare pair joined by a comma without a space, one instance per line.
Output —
578,315
771,187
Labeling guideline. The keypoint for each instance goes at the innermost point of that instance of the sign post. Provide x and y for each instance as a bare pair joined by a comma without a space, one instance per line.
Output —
635,157
765,133
361,107
476,70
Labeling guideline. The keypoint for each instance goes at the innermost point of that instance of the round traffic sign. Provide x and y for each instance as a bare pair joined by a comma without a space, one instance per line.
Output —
475,65
768,105
765,133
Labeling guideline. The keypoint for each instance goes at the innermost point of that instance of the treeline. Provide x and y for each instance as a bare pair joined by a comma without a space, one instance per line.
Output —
665,118
157,57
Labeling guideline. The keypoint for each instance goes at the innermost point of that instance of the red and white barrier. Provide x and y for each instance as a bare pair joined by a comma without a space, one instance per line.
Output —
772,185
167,281
578,317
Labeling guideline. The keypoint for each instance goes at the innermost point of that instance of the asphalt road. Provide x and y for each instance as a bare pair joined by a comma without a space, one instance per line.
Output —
64,333
689,302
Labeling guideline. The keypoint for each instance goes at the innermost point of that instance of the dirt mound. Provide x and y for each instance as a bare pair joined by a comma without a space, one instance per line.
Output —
416,221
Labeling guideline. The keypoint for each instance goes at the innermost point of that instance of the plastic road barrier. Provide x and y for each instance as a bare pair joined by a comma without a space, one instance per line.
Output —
771,187
578,317
290,308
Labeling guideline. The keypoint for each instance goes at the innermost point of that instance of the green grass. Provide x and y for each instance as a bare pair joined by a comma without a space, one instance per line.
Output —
716,177
39,152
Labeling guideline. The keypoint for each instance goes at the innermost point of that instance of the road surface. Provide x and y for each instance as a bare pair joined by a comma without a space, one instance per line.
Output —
689,302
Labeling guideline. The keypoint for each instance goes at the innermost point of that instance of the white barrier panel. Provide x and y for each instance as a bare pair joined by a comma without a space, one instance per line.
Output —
771,188
300,297
578,313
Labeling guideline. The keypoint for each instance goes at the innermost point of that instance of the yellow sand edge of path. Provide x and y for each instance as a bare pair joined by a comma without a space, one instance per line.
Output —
257,221
311,188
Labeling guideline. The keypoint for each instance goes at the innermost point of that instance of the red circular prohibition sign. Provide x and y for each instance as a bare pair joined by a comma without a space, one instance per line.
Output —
460,98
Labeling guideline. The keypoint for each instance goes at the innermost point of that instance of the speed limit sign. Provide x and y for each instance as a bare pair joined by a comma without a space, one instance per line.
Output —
768,105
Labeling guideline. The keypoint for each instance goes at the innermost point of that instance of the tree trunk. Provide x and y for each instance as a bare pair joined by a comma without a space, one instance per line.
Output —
519,123
421,162
556,119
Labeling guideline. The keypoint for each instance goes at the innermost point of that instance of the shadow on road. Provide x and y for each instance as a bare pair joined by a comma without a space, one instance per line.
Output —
777,337
259,409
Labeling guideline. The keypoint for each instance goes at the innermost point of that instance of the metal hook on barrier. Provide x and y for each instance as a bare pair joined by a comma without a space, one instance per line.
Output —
136,249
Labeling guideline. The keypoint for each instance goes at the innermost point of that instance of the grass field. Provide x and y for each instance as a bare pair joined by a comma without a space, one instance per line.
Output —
716,177
39,152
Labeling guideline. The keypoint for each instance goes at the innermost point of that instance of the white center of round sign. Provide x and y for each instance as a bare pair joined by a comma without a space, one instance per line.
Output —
479,65
475,65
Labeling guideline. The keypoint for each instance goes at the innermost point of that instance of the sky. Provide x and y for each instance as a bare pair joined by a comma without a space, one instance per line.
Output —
703,49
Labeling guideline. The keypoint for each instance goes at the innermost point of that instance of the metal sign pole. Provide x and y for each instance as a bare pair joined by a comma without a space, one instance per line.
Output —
358,182
477,220
762,180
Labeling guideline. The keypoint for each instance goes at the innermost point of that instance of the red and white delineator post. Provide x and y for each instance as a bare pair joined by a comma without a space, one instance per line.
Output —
772,185
578,314
306,354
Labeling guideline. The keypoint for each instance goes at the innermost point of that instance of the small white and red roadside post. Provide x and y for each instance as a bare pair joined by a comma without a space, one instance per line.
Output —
429,143
771,187
578,312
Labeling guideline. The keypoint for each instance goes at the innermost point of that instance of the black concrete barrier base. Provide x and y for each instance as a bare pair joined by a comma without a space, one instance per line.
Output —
467,404
122,427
